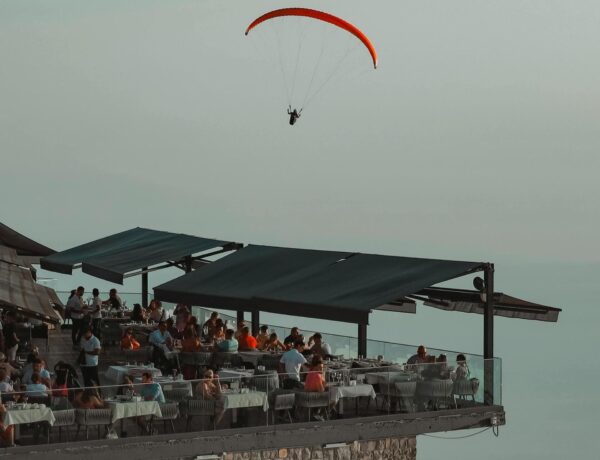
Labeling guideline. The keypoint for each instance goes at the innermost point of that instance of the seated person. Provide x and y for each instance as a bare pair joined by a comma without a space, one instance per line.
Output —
156,312
37,367
127,387
318,346
36,388
210,325
171,329
194,326
246,342
161,338
290,339
114,301
273,344
315,380
219,333
420,357
150,390
240,326
4,364
229,344
6,432
5,383
190,342
210,388
462,370
262,337
429,370
88,399
138,313
129,342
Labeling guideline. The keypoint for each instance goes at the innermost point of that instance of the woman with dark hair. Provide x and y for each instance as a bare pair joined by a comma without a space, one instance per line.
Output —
138,313
128,341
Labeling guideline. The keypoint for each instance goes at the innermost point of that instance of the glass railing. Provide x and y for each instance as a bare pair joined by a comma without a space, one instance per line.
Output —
347,347
137,399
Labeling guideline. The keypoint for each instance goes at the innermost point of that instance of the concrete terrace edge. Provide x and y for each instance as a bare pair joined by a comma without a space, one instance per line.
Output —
182,445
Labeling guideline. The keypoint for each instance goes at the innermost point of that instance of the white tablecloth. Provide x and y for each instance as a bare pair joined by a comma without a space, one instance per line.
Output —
251,399
122,410
375,378
115,374
227,375
252,357
338,392
19,416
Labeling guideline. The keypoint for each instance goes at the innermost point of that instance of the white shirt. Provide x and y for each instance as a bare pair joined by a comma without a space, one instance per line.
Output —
96,304
293,361
90,345
75,306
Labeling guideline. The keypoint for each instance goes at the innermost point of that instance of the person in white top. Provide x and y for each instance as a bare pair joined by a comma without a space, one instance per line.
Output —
96,312
291,363
90,348
318,346
76,310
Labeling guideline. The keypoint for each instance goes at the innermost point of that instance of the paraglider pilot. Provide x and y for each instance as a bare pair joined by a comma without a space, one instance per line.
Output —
294,114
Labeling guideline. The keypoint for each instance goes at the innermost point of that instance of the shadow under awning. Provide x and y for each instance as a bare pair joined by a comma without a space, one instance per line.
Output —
469,301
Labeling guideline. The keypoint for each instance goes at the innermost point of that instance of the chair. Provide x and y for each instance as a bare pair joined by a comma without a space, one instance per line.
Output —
405,394
282,401
311,400
436,392
92,417
63,418
464,388
266,381
170,412
176,394
198,408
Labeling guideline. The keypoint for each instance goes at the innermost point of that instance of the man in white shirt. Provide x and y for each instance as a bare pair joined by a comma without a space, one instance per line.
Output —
96,312
75,308
90,346
319,347
162,343
291,364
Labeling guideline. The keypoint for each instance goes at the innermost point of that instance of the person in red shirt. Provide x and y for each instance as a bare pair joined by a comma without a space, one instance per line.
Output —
246,341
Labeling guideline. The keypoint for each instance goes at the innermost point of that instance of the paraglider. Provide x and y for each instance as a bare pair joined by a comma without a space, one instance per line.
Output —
291,82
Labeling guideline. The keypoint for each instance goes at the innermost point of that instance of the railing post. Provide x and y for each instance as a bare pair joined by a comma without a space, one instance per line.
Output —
145,288
362,339
488,336
255,322
239,316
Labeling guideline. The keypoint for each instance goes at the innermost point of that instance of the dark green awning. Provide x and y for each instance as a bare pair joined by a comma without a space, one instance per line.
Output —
110,258
331,285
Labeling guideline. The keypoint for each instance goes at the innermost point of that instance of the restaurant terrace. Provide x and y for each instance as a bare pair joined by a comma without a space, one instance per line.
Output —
373,388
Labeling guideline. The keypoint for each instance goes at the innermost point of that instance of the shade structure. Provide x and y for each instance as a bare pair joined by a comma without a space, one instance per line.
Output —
20,293
30,250
339,286
469,301
112,257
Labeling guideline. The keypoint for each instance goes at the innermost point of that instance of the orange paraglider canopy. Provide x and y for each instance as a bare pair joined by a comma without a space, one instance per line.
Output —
326,17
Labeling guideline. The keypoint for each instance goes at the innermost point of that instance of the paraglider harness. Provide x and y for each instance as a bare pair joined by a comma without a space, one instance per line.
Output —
294,114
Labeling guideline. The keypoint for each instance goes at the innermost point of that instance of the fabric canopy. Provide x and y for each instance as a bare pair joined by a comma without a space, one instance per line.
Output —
110,258
20,293
23,245
473,302
331,285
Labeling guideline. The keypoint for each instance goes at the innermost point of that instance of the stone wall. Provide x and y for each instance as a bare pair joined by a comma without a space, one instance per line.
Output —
380,449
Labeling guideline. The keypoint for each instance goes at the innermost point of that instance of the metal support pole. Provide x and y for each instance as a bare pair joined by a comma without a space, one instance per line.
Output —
188,264
240,316
145,288
255,322
362,340
488,336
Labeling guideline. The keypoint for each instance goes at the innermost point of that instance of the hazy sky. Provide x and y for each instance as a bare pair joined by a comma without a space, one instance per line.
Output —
477,138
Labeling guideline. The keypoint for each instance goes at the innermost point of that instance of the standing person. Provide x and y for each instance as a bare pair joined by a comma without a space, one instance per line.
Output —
182,314
209,326
95,312
11,341
90,347
263,337
290,365
75,307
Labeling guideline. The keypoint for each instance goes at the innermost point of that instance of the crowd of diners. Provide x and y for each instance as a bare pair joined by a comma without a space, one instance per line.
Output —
301,361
